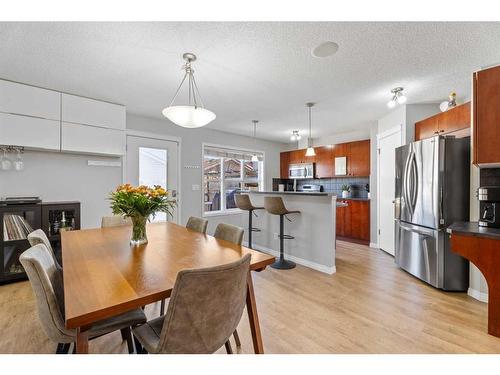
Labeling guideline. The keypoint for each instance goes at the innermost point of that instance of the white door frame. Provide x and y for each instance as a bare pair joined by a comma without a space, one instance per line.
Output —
381,136
162,137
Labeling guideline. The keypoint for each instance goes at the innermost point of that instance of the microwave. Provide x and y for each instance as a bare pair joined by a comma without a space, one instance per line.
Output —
303,170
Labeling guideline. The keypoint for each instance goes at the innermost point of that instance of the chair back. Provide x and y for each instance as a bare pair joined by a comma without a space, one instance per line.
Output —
197,224
243,202
205,308
229,233
47,283
275,205
115,221
39,237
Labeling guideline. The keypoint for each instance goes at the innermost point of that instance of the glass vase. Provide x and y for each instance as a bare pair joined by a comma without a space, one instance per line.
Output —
139,231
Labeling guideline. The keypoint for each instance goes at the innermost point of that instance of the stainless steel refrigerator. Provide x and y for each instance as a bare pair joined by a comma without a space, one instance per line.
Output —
432,192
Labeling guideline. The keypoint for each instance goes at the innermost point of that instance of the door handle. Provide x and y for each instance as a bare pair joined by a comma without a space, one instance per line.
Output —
425,232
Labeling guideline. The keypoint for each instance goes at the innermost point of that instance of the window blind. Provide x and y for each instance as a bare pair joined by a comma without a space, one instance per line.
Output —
232,153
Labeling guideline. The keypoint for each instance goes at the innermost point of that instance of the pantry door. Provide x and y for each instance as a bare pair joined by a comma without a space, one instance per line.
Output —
152,161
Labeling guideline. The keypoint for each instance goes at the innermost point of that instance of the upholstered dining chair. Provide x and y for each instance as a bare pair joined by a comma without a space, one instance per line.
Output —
204,310
39,237
115,221
197,224
47,284
232,234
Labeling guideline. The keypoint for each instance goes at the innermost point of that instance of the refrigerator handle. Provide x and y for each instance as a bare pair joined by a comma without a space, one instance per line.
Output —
414,185
425,232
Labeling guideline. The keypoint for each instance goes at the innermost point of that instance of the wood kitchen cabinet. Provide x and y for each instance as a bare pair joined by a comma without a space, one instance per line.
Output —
324,161
451,121
284,161
358,159
486,117
353,221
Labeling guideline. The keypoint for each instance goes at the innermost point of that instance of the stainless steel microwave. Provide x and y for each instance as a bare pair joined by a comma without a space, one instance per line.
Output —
303,170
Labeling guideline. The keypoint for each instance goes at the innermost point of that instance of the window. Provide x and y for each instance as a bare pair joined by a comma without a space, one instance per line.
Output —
227,172
153,171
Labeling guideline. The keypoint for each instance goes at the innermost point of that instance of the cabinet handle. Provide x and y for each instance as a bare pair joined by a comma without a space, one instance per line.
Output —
441,131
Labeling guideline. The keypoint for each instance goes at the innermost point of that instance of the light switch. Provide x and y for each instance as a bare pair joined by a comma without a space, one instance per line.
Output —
195,187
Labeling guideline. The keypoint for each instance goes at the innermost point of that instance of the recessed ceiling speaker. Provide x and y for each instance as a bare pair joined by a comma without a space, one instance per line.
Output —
325,49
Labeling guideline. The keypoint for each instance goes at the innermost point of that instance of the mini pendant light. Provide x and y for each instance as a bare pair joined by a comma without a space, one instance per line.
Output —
193,115
254,156
310,149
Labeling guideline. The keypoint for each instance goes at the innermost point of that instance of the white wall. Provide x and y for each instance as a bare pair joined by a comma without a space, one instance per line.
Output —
356,135
64,177
192,140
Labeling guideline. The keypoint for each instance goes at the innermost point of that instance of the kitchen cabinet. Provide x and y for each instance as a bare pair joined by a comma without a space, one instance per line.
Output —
91,139
353,221
324,161
339,150
284,161
453,120
19,99
80,110
486,117
358,158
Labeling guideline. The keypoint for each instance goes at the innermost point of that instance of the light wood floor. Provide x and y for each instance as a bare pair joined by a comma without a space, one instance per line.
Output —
368,306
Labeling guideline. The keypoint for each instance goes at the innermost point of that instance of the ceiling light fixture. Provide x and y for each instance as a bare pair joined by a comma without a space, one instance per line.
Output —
397,97
295,136
310,149
193,115
450,103
254,156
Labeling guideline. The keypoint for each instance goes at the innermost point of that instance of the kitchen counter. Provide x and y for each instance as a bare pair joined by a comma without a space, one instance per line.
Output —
313,229
473,229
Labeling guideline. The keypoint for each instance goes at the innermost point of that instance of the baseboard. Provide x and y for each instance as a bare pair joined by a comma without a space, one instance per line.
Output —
374,245
476,294
302,262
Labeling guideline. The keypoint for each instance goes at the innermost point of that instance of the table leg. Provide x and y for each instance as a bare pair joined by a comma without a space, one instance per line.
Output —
82,340
253,318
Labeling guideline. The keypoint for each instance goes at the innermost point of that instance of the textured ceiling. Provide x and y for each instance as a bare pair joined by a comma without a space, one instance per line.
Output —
254,70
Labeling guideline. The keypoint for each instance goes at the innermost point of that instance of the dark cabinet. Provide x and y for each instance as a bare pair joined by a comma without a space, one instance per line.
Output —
324,162
358,159
451,121
284,162
486,117
353,221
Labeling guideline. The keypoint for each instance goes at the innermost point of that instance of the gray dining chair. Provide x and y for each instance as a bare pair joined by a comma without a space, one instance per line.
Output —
47,283
115,221
232,234
39,237
205,308
198,225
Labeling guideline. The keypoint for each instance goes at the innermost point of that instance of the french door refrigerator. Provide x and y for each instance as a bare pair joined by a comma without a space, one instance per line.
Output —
432,192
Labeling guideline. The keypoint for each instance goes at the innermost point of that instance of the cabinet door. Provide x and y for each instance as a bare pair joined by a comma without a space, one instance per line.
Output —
426,128
324,162
92,140
358,161
340,221
86,111
29,132
339,150
29,100
455,119
486,117
360,220
284,161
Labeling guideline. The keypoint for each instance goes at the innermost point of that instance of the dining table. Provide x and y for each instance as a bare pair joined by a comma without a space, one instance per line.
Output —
104,275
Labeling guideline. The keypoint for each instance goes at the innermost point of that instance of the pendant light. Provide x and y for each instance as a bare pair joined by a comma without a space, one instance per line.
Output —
193,115
310,149
254,156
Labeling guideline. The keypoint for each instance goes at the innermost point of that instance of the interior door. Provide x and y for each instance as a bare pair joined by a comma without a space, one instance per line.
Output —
386,189
151,162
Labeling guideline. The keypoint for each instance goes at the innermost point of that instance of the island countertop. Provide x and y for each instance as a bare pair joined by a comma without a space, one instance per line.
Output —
313,194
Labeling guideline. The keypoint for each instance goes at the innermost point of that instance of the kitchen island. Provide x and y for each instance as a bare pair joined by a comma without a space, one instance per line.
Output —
313,228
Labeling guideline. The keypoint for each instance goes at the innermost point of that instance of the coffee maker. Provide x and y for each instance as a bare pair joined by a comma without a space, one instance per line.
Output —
489,206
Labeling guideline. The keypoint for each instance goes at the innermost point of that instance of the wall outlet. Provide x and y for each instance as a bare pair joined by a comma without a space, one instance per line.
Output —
195,187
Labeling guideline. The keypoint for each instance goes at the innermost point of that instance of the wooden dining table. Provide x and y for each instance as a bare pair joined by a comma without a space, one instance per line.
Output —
105,276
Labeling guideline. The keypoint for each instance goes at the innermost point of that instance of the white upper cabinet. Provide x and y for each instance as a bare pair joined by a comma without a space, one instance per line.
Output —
79,110
27,100
92,140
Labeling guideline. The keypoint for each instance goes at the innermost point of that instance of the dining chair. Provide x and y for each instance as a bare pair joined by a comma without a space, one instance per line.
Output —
115,221
198,225
205,308
232,234
39,237
47,283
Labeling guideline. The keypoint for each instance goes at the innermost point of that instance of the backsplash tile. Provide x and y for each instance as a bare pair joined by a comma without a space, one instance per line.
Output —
334,185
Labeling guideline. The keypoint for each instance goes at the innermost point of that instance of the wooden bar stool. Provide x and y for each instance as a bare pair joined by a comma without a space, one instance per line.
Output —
275,206
243,203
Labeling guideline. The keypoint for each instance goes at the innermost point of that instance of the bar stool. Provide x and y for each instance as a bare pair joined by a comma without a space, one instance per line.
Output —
275,206
243,203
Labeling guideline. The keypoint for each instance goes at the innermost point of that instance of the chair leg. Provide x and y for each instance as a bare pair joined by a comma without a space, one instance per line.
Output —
237,339
138,346
162,307
229,350
62,348
127,335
